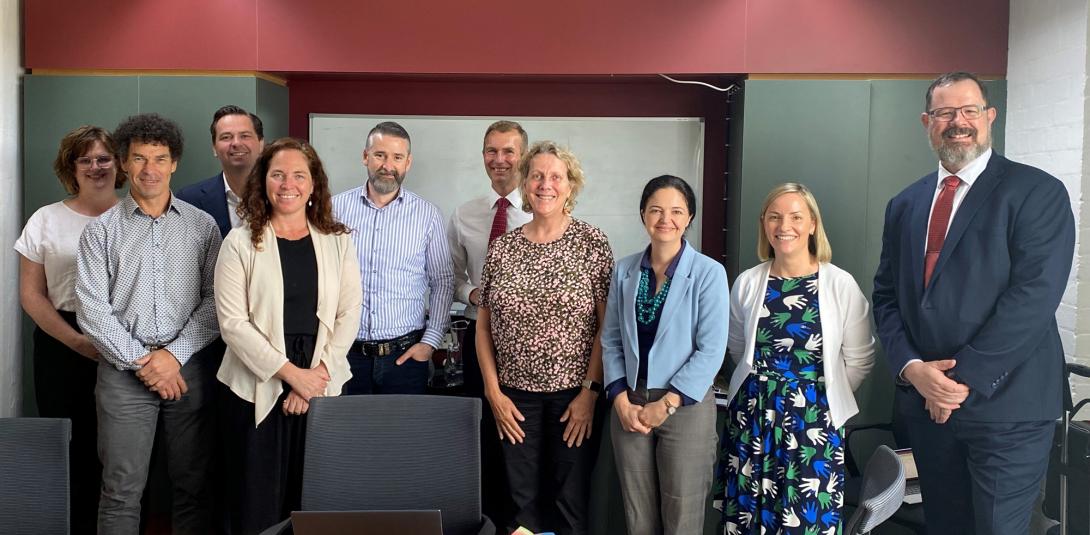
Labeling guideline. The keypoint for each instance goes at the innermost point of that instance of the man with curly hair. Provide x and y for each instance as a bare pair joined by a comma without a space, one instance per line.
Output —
144,283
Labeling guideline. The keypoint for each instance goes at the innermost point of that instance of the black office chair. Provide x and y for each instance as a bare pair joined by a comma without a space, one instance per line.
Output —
34,481
396,452
882,492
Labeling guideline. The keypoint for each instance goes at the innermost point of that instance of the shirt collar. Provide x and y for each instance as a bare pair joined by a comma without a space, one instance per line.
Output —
515,198
367,200
969,173
130,207
645,262
231,195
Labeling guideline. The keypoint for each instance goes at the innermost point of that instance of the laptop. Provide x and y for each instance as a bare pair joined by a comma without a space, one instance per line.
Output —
912,479
429,522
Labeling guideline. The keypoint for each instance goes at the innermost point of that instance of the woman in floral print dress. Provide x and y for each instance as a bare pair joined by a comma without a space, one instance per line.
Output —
800,334
543,295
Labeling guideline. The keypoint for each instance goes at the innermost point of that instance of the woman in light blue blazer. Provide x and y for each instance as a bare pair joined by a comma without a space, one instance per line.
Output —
664,339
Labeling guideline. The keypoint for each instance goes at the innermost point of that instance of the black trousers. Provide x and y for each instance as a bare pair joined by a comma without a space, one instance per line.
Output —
549,482
495,497
64,387
265,480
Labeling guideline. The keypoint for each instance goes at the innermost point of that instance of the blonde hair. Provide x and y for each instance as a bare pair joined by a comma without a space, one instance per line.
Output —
575,172
818,243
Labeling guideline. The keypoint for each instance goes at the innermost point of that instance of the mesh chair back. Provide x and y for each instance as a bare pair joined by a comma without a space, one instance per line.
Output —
882,494
395,452
34,475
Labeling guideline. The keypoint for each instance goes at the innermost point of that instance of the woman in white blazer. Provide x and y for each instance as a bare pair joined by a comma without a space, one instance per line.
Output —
800,336
288,299
663,342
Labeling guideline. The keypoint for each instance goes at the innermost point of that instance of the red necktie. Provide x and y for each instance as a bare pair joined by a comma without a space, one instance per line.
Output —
936,230
499,222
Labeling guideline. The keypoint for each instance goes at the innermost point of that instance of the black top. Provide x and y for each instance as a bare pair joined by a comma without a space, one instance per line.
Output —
299,266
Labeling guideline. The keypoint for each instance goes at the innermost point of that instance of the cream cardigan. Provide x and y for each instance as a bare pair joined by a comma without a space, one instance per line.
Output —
847,343
250,306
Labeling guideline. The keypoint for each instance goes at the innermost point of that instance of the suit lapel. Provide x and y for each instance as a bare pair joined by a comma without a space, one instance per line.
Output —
630,284
983,187
215,202
921,212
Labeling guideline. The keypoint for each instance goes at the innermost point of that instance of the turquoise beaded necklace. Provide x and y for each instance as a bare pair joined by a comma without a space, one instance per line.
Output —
648,306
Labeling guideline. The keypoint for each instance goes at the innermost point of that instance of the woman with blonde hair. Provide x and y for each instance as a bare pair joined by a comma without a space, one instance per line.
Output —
801,338
543,298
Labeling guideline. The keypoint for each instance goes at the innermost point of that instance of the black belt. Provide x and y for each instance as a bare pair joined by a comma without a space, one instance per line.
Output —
382,348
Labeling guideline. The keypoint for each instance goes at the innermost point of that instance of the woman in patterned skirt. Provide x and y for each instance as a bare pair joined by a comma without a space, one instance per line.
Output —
800,335
543,299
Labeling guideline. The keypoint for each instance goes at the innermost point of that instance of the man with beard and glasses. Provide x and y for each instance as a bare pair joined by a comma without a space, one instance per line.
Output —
975,258
405,269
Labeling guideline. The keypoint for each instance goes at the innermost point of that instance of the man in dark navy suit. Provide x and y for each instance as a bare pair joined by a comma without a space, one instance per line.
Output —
237,140
975,259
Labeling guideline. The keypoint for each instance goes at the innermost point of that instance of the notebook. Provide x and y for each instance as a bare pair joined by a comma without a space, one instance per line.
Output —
366,522
912,479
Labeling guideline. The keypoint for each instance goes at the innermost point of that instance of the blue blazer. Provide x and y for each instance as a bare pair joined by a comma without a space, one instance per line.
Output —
692,335
209,195
992,300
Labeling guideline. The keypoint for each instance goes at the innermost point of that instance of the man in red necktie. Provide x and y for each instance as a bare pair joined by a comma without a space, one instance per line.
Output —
473,226
975,259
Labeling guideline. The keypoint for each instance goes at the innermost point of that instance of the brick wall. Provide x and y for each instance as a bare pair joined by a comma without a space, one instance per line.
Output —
1046,127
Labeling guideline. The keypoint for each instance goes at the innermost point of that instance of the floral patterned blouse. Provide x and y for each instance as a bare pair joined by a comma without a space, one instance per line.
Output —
542,298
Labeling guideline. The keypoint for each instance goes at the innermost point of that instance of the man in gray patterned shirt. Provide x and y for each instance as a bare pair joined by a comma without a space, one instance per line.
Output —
144,285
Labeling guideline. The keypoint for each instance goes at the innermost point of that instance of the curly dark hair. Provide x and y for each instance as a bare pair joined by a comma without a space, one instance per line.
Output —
75,144
149,128
254,206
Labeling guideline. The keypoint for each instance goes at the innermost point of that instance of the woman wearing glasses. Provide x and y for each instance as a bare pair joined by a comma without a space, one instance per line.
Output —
65,362
800,336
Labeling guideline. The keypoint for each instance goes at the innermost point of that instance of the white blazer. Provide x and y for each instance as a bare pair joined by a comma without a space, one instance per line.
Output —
847,343
250,306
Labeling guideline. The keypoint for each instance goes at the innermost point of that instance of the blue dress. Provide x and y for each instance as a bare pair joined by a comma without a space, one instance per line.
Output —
781,462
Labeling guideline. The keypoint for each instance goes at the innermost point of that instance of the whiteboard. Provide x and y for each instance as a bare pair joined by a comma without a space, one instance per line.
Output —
618,155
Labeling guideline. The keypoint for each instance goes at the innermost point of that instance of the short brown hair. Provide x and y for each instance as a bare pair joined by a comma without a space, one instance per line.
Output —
508,126
255,209
575,172
77,142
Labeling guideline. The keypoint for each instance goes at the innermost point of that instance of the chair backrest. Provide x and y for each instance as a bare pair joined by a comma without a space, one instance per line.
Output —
34,475
394,452
882,493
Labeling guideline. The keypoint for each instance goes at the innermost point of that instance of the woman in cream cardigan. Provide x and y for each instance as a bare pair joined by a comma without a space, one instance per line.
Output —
800,335
288,298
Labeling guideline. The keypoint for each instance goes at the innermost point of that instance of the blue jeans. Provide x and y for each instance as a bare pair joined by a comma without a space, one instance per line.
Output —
382,375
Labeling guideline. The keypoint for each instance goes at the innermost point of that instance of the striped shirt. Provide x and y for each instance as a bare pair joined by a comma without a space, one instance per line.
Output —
403,253
144,282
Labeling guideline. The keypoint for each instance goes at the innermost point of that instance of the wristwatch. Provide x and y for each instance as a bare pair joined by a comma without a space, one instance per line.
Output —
592,385
670,409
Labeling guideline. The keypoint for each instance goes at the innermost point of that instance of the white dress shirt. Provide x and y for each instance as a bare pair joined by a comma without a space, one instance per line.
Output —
232,203
467,235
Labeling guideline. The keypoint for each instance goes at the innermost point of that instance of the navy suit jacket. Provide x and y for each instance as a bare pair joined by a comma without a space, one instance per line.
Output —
209,195
992,300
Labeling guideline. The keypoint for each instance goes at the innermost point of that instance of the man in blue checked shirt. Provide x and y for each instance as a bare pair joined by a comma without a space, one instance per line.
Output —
144,283
405,269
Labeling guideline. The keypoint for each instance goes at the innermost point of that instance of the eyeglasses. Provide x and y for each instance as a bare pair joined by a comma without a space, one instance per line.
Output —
84,162
970,112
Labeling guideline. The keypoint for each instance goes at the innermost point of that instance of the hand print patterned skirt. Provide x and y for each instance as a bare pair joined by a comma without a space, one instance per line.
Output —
781,466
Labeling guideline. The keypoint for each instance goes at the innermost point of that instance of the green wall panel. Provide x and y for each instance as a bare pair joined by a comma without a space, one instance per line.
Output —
54,105
856,143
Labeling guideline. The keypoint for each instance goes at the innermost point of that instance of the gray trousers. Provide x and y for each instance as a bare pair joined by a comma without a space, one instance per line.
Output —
128,414
666,475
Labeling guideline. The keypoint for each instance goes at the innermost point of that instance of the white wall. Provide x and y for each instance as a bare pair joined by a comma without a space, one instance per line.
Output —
11,343
1046,127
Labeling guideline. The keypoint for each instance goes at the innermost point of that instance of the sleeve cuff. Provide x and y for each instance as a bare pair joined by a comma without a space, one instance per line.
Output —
615,388
685,400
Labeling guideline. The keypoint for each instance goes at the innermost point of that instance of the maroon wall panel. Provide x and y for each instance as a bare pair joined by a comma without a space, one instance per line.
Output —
482,37
866,36
141,34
